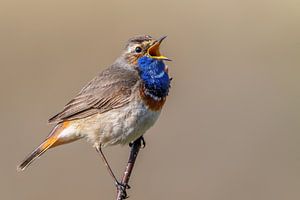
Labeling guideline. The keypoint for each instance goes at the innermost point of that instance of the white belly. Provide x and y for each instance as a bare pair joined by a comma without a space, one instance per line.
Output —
119,126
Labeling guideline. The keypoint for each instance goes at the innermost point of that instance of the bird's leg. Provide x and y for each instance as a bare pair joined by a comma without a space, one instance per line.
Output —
119,185
142,140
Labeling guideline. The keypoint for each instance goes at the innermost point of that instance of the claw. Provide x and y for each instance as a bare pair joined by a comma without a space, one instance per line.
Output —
130,144
142,141
123,187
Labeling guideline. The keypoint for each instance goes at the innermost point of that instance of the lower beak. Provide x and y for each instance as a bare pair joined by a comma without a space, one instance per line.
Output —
153,51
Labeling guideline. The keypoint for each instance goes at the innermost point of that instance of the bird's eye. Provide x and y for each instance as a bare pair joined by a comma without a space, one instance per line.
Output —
138,49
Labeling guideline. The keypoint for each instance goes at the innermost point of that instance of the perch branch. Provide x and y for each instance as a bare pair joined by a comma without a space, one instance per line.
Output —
135,148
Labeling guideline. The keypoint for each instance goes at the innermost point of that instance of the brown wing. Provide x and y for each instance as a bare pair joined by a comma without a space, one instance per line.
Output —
110,89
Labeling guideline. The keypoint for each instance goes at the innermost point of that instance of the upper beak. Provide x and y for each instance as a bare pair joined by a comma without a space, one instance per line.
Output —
153,51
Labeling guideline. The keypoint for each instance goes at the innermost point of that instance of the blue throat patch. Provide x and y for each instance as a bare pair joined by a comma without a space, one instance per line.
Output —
156,80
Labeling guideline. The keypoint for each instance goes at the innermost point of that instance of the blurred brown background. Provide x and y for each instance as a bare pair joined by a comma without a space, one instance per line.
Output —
230,128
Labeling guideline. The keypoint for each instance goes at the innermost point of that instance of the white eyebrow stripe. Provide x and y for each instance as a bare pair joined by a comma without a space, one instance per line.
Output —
159,75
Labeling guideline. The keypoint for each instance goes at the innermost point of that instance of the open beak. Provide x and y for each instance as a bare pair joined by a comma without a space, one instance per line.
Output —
153,51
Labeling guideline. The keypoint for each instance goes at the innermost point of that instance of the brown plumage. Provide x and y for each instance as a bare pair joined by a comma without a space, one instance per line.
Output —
109,109
110,89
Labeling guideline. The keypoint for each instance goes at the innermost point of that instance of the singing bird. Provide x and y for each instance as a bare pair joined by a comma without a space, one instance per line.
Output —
116,107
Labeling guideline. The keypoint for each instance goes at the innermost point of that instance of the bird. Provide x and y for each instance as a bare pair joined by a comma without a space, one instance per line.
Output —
117,106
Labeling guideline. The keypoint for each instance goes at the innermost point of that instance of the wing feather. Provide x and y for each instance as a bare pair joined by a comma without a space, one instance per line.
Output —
111,89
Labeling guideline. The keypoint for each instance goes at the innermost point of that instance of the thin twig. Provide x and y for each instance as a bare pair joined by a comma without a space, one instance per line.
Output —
135,148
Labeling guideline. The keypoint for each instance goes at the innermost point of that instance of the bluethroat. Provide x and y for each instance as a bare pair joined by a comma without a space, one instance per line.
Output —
116,107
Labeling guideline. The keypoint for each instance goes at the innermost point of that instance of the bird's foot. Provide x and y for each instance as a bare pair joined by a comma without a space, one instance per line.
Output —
123,187
141,140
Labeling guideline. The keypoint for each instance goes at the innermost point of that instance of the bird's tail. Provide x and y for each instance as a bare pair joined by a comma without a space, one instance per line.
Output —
51,141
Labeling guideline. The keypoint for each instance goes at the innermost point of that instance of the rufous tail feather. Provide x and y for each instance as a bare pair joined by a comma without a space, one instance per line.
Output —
37,152
51,141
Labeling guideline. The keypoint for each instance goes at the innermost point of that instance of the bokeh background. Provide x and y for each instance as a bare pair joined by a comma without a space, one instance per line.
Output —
230,129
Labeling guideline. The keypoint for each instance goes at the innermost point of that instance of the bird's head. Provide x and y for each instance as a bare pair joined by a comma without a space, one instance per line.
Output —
140,46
